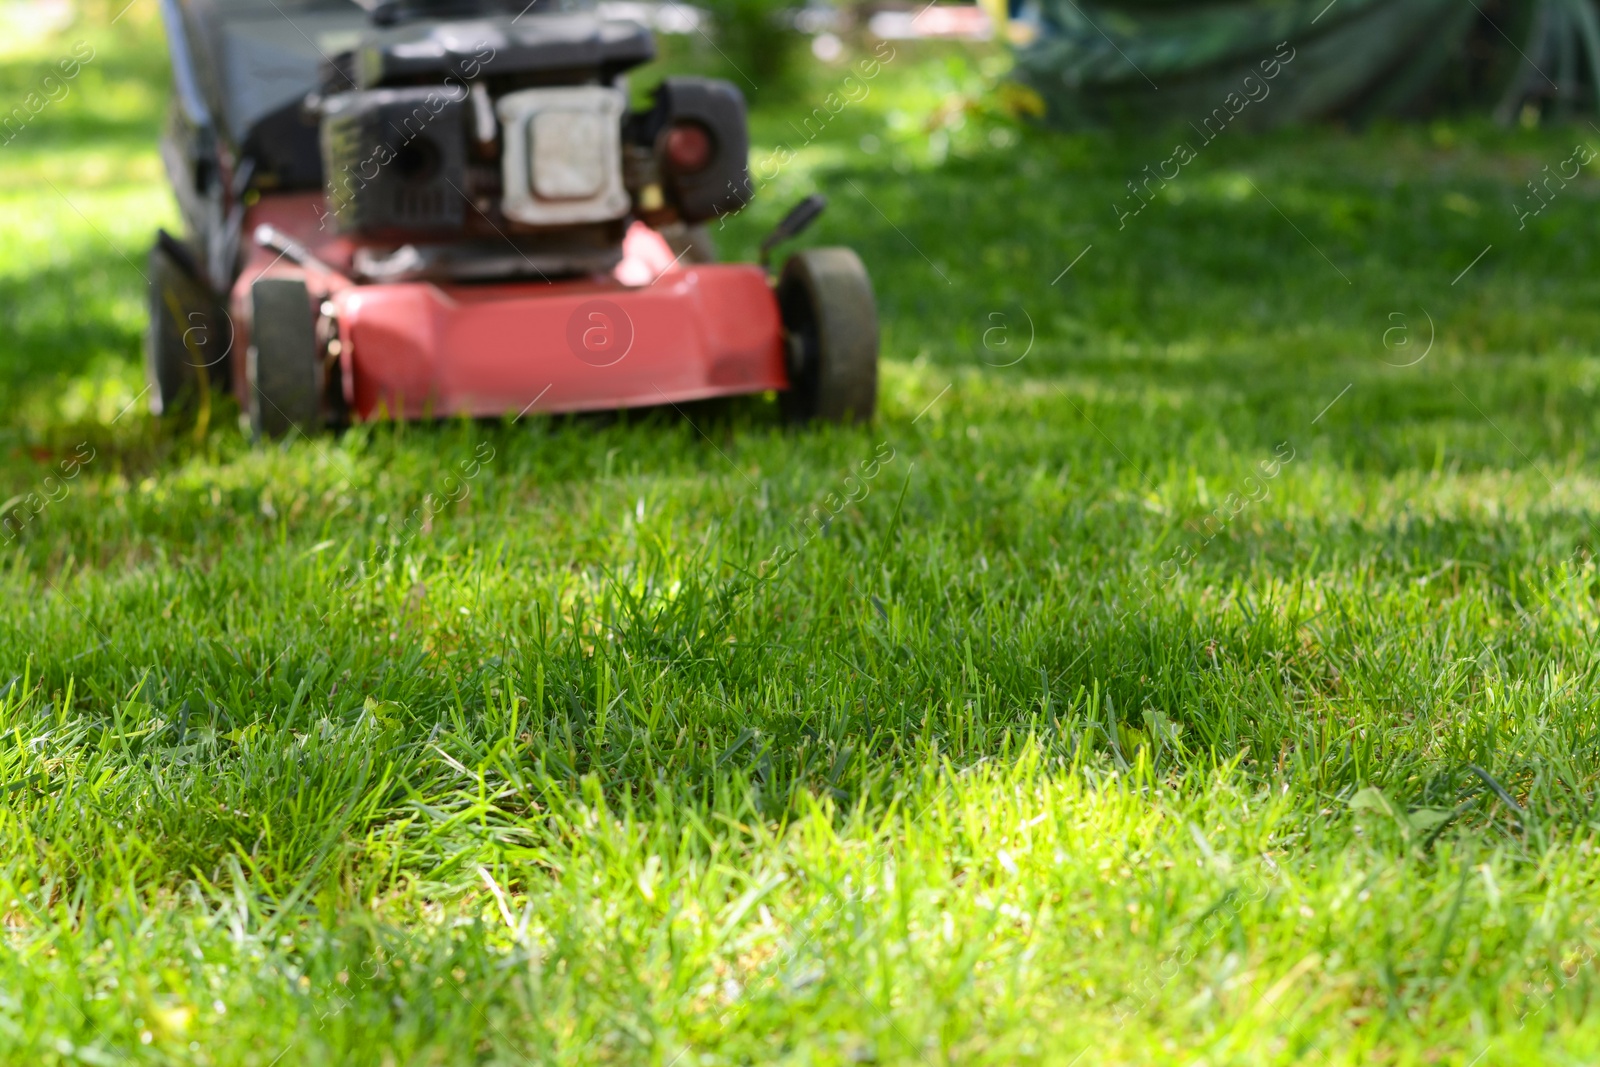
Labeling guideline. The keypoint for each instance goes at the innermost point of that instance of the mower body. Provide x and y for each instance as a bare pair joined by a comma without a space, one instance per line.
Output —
429,209
655,330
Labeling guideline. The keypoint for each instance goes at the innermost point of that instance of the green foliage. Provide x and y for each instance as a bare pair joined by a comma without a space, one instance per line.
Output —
758,41
1047,743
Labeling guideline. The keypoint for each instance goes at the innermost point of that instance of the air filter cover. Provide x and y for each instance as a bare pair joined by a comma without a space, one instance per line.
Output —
562,158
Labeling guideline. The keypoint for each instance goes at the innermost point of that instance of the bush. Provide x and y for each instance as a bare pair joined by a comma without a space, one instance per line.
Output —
759,40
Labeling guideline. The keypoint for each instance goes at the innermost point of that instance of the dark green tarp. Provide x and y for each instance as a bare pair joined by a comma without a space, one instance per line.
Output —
1125,61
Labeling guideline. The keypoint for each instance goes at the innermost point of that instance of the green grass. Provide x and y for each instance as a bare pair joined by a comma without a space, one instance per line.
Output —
1031,755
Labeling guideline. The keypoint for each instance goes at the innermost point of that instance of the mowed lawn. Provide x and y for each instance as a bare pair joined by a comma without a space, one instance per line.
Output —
1195,662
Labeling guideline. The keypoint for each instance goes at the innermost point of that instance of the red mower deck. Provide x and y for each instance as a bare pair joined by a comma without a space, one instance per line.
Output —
671,333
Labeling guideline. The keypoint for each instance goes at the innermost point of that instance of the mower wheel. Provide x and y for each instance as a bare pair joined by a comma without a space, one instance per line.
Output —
189,336
831,323
285,380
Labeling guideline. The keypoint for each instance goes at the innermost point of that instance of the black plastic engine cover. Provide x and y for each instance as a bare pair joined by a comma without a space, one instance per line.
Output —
564,48
394,160
722,186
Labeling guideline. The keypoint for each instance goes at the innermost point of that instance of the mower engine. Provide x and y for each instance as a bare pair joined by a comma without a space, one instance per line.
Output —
500,147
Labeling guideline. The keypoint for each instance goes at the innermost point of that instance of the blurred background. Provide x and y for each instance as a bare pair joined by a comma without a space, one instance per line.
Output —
1100,62
1356,60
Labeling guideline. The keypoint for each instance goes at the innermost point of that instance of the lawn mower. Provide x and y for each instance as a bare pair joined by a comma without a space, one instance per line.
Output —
430,208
